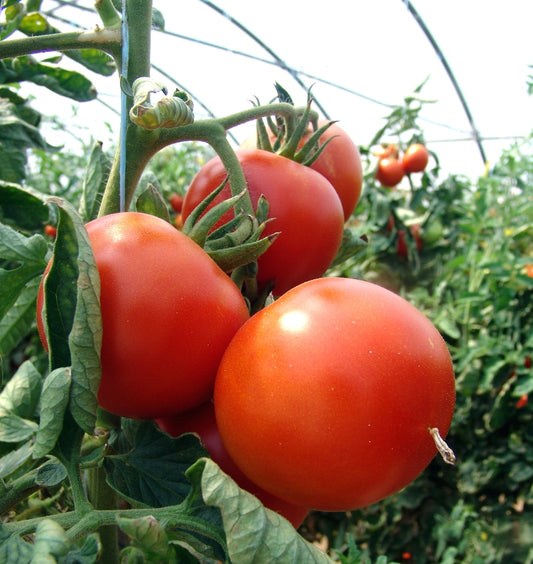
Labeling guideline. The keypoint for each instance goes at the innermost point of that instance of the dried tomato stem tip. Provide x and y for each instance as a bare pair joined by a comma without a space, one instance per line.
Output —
444,450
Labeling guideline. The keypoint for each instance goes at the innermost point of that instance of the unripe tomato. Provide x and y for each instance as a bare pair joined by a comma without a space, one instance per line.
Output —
326,397
389,172
415,159
202,422
304,207
168,313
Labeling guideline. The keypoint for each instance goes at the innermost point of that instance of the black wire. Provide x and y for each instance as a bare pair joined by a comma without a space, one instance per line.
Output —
448,69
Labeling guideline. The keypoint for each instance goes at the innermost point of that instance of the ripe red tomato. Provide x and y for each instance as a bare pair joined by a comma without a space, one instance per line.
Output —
401,246
339,162
390,172
325,397
168,313
50,230
415,159
304,206
176,202
201,421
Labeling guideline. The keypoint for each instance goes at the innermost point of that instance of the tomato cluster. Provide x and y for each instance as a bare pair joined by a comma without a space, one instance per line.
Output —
327,398
391,168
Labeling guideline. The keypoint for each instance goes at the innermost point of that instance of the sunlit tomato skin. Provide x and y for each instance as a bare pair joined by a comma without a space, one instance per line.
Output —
389,172
168,313
304,208
339,162
202,422
415,158
326,397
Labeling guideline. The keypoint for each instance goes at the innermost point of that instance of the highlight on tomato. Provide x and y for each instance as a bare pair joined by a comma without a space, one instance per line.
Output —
415,158
330,397
168,314
201,421
389,172
303,207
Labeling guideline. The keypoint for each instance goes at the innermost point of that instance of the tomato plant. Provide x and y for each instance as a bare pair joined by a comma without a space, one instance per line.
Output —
326,397
389,172
202,422
168,313
415,158
303,207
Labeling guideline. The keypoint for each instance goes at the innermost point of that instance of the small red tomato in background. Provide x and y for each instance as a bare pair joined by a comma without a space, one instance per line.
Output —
168,314
50,231
401,246
385,151
303,205
389,172
415,158
529,270
527,362
522,402
202,422
326,397
176,202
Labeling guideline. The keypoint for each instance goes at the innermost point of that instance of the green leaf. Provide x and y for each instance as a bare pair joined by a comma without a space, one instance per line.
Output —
94,182
14,429
67,83
89,553
19,319
54,401
253,533
51,474
21,207
15,459
150,467
20,395
147,532
15,551
72,314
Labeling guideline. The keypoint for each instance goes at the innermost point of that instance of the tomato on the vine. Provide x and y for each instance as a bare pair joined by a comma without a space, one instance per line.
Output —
50,231
202,422
339,162
168,314
326,397
176,202
304,208
389,172
415,158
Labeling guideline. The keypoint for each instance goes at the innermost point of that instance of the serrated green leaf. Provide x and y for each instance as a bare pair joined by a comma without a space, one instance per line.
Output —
20,206
51,474
150,466
14,429
20,395
18,320
15,459
253,533
89,552
72,313
54,401
94,182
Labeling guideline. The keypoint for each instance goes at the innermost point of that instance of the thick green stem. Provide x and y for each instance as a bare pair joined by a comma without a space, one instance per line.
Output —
106,40
18,490
103,496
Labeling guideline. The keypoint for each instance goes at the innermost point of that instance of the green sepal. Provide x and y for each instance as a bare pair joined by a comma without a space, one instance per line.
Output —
151,201
243,254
